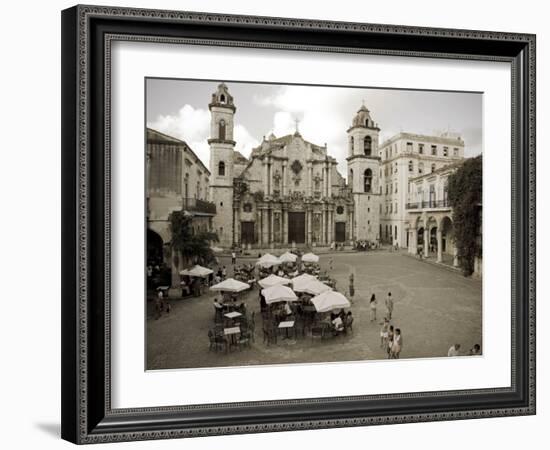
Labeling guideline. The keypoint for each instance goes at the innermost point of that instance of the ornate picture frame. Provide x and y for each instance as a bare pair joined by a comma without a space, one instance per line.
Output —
87,35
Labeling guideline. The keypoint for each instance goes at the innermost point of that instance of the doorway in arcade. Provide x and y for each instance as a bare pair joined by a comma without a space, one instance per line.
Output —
297,227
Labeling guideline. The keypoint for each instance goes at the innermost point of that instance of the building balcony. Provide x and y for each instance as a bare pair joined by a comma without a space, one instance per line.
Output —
433,204
196,205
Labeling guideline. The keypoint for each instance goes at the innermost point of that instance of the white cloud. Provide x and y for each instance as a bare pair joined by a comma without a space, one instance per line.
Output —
244,140
193,126
324,116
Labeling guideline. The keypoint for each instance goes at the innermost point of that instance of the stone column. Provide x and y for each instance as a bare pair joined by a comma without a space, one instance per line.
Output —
325,180
236,225
309,221
285,226
330,226
259,227
309,188
269,175
283,181
351,226
426,241
265,228
439,245
271,227
266,177
330,180
455,255
322,237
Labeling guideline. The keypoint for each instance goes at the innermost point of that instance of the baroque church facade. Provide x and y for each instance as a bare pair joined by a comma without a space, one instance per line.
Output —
289,191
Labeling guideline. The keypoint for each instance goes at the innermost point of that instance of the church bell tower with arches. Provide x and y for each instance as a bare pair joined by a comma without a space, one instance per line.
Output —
222,150
363,175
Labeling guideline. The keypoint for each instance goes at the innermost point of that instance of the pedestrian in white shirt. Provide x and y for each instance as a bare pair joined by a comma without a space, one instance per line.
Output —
454,350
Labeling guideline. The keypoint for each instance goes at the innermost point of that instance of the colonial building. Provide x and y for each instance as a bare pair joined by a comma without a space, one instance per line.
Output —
289,192
429,224
403,157
176,180
429,215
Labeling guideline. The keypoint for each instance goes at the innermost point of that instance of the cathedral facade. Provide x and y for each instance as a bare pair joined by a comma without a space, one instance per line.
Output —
289,191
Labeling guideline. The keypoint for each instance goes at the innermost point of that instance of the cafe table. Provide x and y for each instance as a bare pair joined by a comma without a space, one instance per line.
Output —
286,325
232,333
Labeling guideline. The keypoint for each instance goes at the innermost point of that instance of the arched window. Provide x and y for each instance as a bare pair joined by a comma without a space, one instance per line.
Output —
221,169
222,130
367,122
420,168
368,145
433,168
351,145
368,180
351,178
247,207
411,166
222,98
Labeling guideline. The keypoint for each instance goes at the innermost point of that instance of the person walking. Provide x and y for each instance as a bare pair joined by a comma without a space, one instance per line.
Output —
389,340
224,273
330,264
233,258
454,350
373,304
351,287
158,304
475,350
397,344
384,333
389,305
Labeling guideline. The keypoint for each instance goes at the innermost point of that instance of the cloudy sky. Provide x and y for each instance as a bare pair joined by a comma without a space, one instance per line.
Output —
180,108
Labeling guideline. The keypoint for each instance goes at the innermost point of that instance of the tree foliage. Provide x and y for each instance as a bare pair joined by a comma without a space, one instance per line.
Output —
465,196
195,246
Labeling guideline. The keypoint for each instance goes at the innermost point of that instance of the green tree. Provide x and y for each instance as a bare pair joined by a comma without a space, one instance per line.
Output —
465,195
195,246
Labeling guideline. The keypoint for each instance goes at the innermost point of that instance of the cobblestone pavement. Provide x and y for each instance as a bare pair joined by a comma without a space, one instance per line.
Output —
434,307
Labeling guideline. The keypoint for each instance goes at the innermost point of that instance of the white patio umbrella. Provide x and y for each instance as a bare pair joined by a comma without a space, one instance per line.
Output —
268,260
288,257
197,271
310,257
330,300
272,280
315,287
230,285
278,293
301,281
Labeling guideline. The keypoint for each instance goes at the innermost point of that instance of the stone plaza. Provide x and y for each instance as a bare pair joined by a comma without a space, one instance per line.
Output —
435,307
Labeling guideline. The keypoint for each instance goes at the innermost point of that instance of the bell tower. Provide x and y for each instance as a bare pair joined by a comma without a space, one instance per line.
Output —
222,149
363,174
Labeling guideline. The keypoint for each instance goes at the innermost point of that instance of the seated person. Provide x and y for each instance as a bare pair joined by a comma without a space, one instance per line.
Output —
342,314
338,324
287,309
185,289
217,304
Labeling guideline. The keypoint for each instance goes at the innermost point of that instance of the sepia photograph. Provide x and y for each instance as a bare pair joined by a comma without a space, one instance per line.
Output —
300,224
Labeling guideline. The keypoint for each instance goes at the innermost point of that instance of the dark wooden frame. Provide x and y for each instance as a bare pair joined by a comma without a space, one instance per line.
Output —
87,32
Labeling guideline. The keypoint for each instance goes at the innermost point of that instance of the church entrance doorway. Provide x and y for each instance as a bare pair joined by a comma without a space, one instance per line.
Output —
340,232
247,233
297,227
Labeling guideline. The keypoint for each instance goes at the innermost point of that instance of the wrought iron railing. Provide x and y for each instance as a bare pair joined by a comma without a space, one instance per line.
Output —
427,204
197,205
